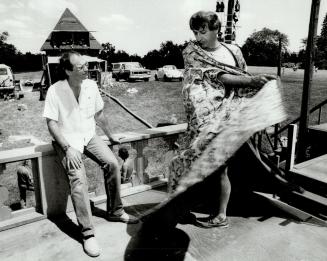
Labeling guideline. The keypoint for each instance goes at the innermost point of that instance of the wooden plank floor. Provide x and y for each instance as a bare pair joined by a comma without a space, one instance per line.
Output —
319,127
315,169
257,232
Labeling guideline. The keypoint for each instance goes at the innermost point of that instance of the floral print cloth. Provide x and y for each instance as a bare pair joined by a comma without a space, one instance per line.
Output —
220,119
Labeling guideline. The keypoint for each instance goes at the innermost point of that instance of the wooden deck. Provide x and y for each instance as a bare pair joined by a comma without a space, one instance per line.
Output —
319,127
259,232
315,169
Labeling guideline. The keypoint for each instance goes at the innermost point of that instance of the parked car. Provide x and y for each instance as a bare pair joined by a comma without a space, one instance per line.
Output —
168,72
130,71
29,83
7,80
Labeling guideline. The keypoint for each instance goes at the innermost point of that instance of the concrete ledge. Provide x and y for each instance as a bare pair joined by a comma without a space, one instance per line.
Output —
129,190
21,219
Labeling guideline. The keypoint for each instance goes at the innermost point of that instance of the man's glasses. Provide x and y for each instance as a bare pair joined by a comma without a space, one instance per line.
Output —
81,67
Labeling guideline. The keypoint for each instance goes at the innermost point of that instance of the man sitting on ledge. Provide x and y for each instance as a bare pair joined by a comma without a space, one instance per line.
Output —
73,106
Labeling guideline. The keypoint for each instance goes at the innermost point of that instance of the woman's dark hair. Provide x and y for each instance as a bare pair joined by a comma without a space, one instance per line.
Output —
202,18
123,153
64,64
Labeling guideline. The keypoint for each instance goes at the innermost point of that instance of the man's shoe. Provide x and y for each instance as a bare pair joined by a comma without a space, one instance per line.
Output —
91,247
125,218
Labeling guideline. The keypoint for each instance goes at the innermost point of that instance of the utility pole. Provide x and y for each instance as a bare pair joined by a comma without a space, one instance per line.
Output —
229,22
304,118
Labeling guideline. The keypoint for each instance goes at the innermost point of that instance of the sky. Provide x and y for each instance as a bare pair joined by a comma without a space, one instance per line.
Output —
139,26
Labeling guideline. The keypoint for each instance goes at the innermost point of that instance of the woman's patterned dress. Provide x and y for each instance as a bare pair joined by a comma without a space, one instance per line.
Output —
219,119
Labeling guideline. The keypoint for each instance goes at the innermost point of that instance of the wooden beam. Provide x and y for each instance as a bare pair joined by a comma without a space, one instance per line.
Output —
291,145
310,51
279,62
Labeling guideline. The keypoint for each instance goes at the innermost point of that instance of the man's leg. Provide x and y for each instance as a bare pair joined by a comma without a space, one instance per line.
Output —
22,193
79,193
98,151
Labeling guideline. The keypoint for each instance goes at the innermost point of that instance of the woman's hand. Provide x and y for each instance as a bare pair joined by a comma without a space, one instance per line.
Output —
260,80
73,158
114,140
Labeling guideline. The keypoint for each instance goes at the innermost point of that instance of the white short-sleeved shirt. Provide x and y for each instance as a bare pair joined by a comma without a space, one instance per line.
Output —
75,119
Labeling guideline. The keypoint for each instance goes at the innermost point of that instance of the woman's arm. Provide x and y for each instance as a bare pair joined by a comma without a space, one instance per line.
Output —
242,81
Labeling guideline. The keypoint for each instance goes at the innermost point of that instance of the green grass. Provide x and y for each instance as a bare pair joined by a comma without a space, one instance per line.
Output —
154,101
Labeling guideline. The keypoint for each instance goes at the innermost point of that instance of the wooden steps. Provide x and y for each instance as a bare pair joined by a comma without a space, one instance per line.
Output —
311,175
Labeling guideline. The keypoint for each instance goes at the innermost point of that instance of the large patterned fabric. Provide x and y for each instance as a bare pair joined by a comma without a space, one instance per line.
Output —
220,119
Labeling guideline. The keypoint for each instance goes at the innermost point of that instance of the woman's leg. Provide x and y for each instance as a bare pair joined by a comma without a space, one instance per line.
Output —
225,190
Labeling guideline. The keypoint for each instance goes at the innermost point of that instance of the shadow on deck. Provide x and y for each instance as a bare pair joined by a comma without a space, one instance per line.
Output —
257,232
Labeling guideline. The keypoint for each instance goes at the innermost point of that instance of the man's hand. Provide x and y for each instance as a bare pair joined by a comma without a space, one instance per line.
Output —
73,158
260,80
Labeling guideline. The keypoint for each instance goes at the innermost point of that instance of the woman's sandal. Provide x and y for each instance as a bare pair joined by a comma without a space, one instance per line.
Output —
213,221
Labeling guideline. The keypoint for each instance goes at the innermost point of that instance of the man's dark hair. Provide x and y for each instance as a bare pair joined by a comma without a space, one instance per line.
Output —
202,18
64,64
123,153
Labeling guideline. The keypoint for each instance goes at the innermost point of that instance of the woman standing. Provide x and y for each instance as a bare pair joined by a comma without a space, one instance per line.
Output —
216,93
225,106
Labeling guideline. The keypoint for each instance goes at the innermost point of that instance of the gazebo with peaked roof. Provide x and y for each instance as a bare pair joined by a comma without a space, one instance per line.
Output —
70,34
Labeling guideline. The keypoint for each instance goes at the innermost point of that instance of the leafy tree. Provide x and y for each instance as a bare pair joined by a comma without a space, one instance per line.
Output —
3,37
169,53
262,47
323,32
320,58
107,52
10,56
153,59
321,46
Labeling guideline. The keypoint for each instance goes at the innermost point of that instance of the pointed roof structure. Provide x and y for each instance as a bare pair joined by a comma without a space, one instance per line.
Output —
69,23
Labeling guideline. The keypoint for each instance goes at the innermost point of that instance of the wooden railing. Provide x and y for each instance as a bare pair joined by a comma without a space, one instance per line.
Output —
277,130
50,183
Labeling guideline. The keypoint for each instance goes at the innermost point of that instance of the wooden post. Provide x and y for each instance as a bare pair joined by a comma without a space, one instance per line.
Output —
304,119
140,161
291,146
276,127
229,23
279,62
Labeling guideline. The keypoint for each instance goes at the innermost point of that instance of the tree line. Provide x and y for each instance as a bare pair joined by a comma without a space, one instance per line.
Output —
168,53
261,48
18,61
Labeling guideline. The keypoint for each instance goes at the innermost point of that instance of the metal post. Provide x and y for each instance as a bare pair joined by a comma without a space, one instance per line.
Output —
304,119
229,23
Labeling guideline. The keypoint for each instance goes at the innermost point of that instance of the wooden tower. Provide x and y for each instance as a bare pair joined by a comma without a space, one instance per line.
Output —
70,34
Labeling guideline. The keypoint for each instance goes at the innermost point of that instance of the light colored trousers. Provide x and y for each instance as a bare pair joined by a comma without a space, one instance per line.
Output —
98,151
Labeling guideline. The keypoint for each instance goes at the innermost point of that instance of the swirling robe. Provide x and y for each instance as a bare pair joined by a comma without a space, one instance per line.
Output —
220,119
